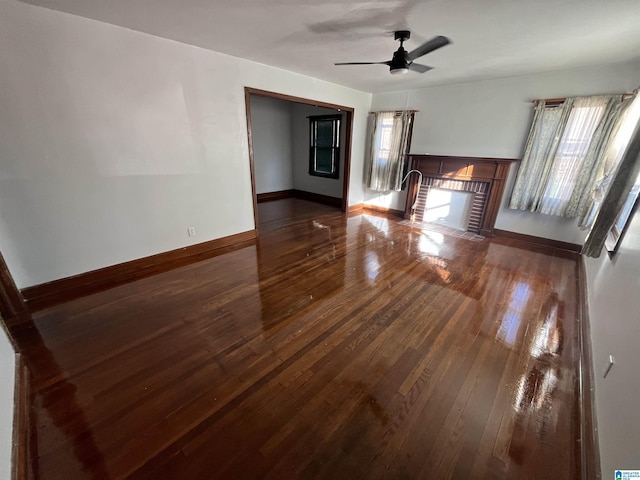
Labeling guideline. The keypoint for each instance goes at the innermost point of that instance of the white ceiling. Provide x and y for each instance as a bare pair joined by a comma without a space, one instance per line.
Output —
491,38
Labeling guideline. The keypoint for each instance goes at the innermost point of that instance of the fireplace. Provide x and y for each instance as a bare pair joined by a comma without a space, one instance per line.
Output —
475,191
481,179
451,208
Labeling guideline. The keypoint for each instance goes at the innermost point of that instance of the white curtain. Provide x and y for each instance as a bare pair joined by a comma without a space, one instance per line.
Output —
620,183
564,151
611,156
390,134
539,153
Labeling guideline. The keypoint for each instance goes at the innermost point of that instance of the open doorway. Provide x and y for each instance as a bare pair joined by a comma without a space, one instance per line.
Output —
320,181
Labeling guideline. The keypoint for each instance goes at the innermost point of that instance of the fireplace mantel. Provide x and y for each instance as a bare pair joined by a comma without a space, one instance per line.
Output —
493,171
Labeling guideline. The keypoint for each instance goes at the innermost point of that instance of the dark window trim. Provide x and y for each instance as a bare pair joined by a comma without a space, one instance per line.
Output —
335,174
615,236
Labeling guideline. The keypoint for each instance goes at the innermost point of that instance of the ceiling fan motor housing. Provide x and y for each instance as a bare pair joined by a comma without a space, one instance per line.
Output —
399,62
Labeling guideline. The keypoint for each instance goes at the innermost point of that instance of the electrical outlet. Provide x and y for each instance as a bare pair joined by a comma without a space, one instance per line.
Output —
191,231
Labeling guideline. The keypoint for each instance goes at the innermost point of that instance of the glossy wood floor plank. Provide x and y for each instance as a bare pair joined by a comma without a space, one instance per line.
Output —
339,346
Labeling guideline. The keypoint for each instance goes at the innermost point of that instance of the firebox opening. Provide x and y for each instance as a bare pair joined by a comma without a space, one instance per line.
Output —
450,208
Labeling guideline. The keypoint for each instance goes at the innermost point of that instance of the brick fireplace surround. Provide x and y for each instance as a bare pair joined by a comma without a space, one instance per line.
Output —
483,176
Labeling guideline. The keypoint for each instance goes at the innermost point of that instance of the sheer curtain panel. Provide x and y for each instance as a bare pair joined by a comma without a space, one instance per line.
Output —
611,156
588,167
621,183
390,133
564,151
539,153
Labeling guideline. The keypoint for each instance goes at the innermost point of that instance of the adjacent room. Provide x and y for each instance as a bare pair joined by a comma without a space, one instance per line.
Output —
319,240
288,162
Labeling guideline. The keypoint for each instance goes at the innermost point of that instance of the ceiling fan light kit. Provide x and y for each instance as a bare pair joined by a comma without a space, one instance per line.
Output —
403,61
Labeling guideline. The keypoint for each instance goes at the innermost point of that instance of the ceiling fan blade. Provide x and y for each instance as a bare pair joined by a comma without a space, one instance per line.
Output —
417,67
362,63
430,46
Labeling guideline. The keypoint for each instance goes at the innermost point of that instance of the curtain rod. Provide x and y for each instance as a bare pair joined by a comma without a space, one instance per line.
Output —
562,99
394,111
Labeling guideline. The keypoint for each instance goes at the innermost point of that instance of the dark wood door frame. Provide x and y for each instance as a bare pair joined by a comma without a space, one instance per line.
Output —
11,301
307,101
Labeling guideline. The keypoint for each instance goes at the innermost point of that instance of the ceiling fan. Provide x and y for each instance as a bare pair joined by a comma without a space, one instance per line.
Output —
402,60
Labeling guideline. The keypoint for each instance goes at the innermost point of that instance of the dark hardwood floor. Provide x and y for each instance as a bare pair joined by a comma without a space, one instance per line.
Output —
338,347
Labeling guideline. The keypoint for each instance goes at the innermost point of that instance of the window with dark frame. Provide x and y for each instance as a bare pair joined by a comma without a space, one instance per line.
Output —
618,145
619,228
324,146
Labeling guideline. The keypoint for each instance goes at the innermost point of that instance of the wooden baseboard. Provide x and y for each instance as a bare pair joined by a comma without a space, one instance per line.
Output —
58,291
310,196
318,198
378,209
20,421
364,207
589,461
545,242
271,196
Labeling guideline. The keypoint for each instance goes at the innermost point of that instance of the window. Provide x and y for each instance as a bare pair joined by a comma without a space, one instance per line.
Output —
324,146
621,140
389,137
563,155
622,220
615,193
570,156
383,151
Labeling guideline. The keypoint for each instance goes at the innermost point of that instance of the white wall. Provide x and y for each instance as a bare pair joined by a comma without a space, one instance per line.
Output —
492,118
614,303
271,129
113,142
7,379
331,187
